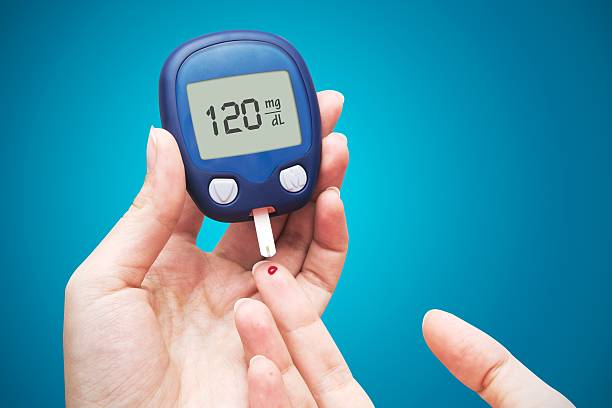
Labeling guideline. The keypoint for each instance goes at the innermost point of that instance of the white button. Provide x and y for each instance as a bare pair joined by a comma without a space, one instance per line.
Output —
294,178
223,190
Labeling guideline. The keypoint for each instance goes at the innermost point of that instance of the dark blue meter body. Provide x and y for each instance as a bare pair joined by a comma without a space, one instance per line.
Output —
243,109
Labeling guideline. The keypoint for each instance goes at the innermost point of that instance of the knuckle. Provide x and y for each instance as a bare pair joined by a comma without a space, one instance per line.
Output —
335,378
491,385
143,206
314,278
143,199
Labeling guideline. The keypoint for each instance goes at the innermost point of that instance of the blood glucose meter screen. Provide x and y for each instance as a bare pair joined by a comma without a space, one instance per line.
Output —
244,114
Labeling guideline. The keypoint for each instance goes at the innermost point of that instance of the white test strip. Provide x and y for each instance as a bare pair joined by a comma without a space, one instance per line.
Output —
267,248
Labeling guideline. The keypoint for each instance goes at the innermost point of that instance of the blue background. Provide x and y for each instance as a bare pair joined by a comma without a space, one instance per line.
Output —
480,136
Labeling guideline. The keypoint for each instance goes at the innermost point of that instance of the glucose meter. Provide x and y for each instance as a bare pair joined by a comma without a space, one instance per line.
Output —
243,109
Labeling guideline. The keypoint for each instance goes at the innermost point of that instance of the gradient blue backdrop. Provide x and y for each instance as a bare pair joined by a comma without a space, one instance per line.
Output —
480,139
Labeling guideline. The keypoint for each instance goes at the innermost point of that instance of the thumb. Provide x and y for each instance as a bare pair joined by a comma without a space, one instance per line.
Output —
484,365
130,248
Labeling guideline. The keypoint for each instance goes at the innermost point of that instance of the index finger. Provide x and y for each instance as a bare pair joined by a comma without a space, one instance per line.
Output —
484,365
266,388
311,346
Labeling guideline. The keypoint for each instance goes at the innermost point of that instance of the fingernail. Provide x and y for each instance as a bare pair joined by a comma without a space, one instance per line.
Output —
238,303
343,136
334,189
256,266
151,149
339,94
255,357
340,135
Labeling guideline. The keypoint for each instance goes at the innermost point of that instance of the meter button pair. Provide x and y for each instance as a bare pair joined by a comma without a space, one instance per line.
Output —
223,190
293,179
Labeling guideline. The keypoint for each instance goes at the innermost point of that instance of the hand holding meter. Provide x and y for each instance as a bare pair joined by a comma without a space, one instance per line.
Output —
244,112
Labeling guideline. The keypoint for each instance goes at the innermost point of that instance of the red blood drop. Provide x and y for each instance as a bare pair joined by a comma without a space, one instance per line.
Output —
272,269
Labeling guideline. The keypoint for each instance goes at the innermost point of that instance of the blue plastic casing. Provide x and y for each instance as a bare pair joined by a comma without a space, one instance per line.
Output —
232,53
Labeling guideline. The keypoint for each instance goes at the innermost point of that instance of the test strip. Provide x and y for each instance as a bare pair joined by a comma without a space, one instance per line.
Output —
267,248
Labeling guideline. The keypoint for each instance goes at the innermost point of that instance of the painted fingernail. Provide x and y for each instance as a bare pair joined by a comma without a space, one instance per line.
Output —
238,303
272,270
334,189
151,149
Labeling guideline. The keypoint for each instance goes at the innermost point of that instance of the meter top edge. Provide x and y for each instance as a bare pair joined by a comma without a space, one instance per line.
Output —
182,52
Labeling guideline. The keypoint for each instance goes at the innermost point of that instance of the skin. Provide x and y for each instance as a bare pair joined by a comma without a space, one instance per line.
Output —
286,329
284,334
151,320
149,317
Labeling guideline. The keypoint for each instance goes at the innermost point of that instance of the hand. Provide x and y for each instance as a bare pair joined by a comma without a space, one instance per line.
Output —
294,362
148,316
485,366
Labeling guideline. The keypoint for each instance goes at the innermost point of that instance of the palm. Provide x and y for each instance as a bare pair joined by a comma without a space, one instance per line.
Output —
192,352
172,338
189,310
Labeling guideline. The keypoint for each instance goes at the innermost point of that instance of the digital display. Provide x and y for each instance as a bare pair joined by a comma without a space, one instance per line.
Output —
244,114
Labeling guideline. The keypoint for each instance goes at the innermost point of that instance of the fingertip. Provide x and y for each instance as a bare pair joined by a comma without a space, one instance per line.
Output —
334,161
151,150
330,220
440,328
260,363
335,148
258,331
337,94
257,265
334,189
282,294
266,388
168,176
251,315
269,268
436,326
161,132
168,152
238,302
266,265
330,106
255,358
433,316
340,136
467,352
425,321
331,95
330,203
